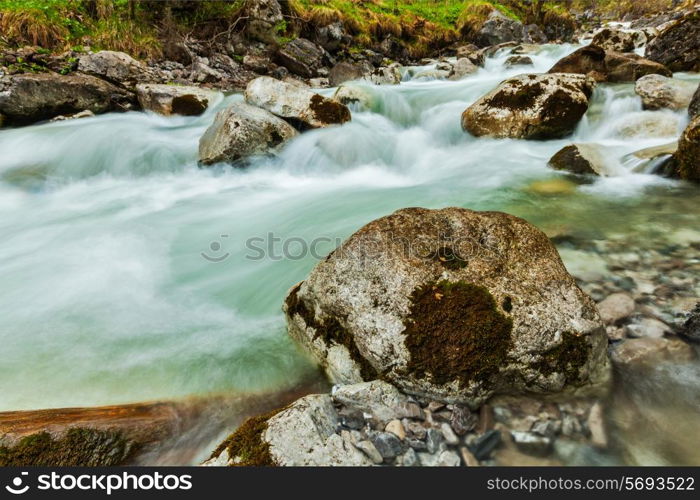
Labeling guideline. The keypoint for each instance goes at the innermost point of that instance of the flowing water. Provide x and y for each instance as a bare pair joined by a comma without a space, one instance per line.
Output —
127,273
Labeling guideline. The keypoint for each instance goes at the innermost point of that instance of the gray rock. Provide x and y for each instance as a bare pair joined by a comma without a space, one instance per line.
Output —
378,398
616,307
366,290
301,106
518,61
618,40
687,166
532,444
408,459
242,130
332,36
32,97
471,52
302,57
263,17
691,327
499,29
484,445
345,71
448,458
433,439
368,448
678,45
118,68
410,410
385,75
388,445
530,107
582,159
661,92
461,68
650,352
353,95
449,435
648,327
174,99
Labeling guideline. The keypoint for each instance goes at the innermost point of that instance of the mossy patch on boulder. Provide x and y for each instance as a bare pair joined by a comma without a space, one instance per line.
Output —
78,447
246,446
455,331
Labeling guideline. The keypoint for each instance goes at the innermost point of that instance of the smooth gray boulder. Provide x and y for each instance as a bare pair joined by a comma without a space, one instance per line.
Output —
661,92
450,304
242,130
118,68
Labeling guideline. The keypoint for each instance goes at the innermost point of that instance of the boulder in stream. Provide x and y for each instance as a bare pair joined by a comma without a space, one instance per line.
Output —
531,106
658,92
618,40
174,99
694,106
687,157
242,130
31,97
582,159
691,327
450,304
608,66
678,45
300,106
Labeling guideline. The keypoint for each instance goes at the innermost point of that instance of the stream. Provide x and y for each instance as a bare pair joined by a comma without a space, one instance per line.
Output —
130,274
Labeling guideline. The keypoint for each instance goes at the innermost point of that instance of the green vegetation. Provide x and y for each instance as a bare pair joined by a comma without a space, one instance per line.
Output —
247,444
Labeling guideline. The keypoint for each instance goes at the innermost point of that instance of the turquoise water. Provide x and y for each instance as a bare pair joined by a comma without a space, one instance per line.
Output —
107,297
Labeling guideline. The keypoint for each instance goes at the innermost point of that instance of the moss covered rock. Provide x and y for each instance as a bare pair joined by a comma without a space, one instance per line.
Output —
678,45
530,107
687,157
451,304
302,434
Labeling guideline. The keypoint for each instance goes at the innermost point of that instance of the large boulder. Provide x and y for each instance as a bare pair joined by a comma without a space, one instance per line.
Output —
263,19
298,105
618,40
530,107
242,130
687,157
31,97
118,68
453,305
582,159
658,92
461,68
345,72
607,66
385,75
498,29
302,57
678,45
174,99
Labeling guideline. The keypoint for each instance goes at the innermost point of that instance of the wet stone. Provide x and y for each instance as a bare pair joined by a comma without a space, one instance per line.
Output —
532,444
433,440
483,446
388,445
462,420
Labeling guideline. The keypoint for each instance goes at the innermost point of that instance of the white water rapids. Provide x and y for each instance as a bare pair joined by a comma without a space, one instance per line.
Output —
107,298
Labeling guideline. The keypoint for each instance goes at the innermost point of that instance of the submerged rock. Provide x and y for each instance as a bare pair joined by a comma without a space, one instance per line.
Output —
530,107
658,92
608,66
646,124
118,68
298,105
518,61
678,45
443,304
584,159
242,130
32,97
649,352
174,99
